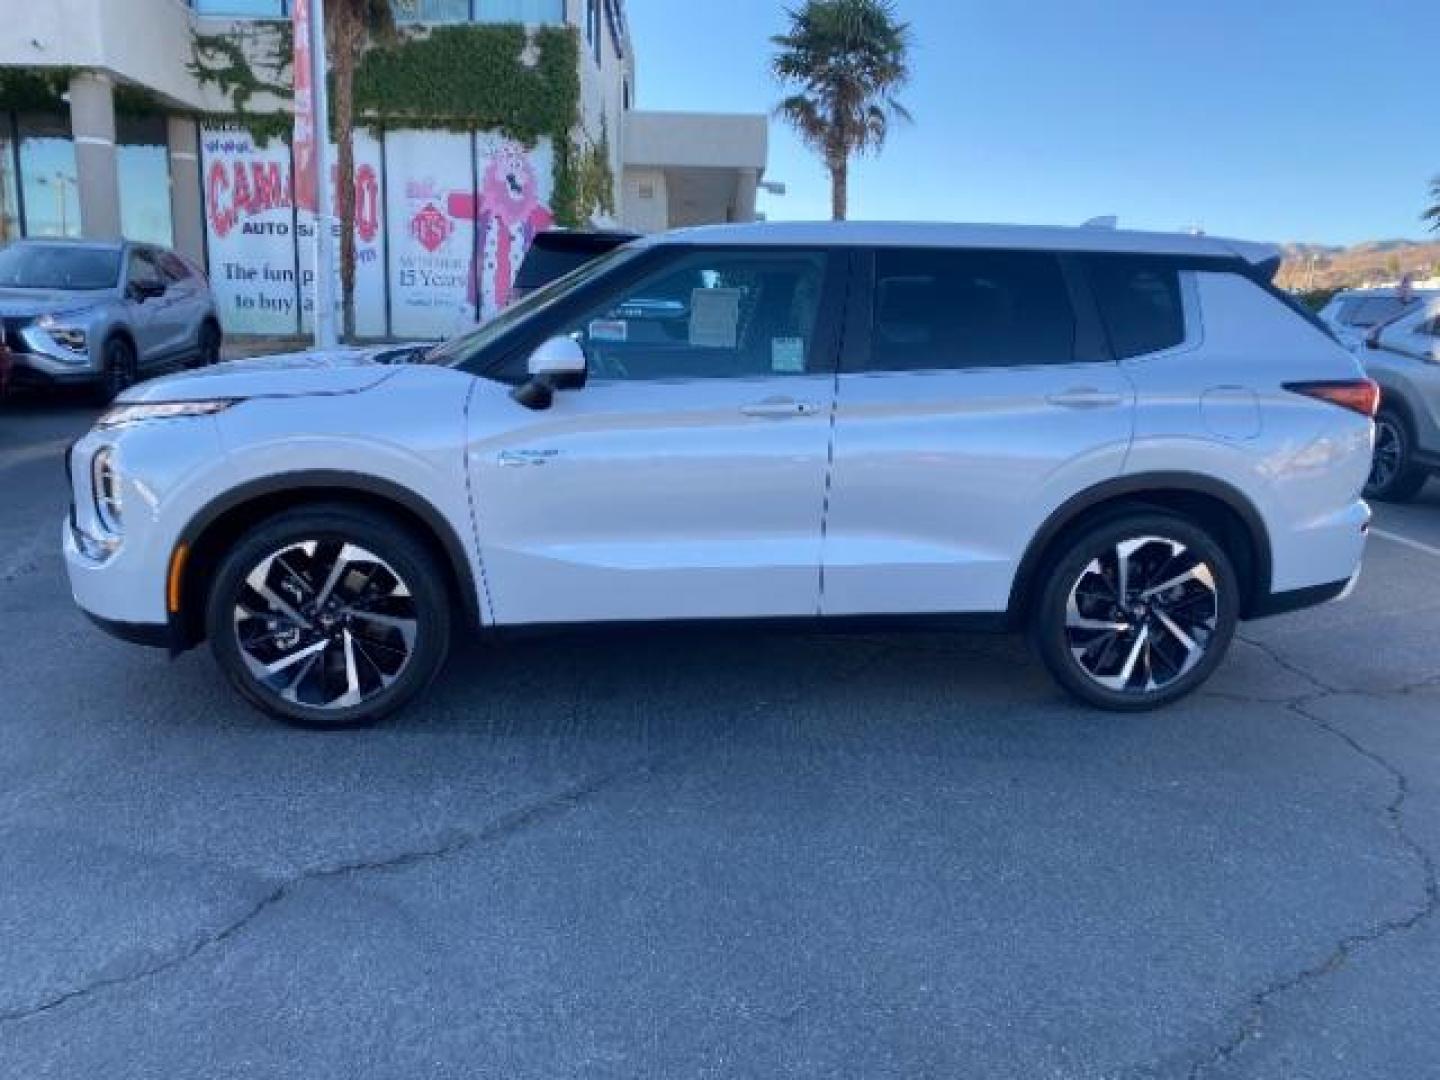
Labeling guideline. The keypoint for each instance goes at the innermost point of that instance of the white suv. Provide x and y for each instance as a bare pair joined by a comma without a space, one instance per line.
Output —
1124,441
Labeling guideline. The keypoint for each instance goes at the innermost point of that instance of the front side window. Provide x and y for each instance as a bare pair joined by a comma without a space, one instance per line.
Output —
1140,302
710,315
938,309
143,270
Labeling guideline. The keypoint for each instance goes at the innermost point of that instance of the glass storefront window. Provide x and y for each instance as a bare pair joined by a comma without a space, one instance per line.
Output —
9,190
143,161
249,8
529,12
48,177
431,11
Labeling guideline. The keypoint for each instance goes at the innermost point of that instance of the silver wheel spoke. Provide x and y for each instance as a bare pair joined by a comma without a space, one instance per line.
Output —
285,641
1133,637
295,657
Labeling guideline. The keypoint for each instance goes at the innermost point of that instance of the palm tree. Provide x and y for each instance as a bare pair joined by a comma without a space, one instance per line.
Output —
1433,214
350,25
847,59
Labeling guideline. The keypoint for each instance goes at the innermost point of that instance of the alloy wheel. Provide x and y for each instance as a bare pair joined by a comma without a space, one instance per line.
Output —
1389,454
1142,614
325,624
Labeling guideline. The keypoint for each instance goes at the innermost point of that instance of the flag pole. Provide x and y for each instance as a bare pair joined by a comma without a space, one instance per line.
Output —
326,336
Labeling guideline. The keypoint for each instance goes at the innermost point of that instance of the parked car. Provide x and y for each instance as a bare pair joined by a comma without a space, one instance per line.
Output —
836,424
102,314
1403,356
1352,314
557,252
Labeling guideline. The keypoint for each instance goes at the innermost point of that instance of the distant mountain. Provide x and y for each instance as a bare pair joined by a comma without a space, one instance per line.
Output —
1376,262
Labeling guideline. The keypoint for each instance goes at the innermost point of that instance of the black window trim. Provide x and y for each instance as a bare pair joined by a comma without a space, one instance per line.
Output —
1091,344
523,339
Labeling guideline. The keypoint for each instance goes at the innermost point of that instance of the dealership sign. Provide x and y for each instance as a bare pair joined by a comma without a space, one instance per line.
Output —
442,221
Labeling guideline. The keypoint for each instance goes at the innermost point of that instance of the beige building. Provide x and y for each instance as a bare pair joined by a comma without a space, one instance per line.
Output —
166,120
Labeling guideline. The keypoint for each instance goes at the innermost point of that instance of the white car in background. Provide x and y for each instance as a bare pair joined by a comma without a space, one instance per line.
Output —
1122,442
1403,356
1352,314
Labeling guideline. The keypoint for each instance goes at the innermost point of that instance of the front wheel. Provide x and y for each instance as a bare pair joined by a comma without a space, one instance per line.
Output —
332,617
1137,612
120,370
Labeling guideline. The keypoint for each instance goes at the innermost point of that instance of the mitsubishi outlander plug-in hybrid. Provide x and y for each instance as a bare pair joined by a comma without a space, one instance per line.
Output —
1124,442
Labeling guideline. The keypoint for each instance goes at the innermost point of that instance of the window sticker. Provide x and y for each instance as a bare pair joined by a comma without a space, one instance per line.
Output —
787,355
609,330
715,318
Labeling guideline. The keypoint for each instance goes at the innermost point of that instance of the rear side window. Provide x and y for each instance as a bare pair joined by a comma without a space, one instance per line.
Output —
1139,300
1370,311
936,309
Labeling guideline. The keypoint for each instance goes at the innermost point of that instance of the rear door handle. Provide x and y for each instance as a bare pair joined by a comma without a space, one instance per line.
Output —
1085,397
780,408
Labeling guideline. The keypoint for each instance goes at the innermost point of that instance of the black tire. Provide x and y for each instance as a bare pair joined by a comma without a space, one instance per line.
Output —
1394,476
207,349
1161,668
120,370
346,655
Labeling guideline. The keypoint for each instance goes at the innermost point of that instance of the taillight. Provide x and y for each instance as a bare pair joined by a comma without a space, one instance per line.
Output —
1357,395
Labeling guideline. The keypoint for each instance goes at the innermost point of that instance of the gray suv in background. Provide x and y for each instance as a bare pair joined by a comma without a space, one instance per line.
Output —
102,314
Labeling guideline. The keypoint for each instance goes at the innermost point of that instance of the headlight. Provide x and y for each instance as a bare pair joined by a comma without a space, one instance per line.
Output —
105,484
59,319
161,410
74,340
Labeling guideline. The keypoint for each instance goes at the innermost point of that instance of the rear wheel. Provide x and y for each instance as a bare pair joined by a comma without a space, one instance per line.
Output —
1137,612
1394,476
331,617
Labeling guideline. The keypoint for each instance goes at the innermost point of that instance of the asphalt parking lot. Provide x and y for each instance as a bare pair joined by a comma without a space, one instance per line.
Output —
698,854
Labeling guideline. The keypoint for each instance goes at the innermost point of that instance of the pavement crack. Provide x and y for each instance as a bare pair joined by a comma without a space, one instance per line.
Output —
1289,665
453,843
1351,943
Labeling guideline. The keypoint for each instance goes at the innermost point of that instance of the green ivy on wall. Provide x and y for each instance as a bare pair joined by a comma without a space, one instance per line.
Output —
43,90
488,78
471,77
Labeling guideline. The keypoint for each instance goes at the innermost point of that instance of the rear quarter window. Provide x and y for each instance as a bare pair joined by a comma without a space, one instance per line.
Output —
1139,300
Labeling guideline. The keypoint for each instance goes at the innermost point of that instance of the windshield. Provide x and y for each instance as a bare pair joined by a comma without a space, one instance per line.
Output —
467,346
51,266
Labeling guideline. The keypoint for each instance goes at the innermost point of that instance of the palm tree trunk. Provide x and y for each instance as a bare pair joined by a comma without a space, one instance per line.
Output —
839,187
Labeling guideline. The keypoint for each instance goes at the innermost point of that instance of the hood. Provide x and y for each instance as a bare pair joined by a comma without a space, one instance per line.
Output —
338,371
29,303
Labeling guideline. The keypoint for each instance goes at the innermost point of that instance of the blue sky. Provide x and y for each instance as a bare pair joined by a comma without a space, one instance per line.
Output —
1265,119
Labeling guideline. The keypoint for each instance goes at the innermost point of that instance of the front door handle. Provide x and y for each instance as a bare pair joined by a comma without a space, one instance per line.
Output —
1085,397
780,408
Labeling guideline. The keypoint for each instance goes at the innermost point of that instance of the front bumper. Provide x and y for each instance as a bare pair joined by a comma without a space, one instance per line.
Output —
38,360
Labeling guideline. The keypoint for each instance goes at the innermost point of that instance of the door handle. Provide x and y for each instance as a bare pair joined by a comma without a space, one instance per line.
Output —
780,408
513,459
1085,397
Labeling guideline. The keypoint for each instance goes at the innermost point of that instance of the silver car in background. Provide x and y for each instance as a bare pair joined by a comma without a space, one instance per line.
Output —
102,314
1403,356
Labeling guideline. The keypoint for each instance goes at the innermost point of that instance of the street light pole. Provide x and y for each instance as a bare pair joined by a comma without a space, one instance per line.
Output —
326,336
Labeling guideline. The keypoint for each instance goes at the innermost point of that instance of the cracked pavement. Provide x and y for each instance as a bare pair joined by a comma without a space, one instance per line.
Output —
707,854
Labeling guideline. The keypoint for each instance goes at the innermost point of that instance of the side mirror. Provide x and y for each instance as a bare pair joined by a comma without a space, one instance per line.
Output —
558,364
146,290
